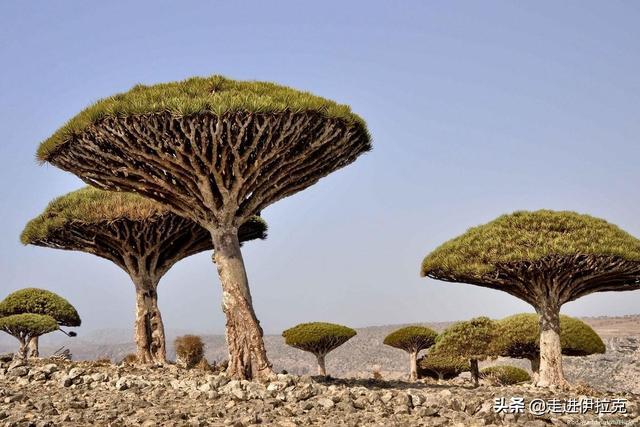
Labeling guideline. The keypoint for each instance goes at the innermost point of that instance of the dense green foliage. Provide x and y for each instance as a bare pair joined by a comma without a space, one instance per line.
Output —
439,365
91,205
411,338
214,94
40,301
471,339
506,375
318,337
529,236
189,349
519,336
28,324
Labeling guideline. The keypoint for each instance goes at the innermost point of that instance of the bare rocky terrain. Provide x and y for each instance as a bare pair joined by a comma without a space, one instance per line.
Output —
47,393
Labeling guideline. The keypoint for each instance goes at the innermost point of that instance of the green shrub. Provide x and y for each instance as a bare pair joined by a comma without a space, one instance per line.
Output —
505,375
189,350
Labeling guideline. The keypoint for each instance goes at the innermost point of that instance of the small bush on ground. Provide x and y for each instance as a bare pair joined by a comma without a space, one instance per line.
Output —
505,375
189,350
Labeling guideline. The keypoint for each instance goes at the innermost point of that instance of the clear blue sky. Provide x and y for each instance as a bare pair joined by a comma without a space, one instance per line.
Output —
476,109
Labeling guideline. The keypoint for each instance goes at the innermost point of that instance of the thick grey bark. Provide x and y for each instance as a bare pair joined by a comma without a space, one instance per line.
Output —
413,365
247,354
34,349
322,370
148,327
550,349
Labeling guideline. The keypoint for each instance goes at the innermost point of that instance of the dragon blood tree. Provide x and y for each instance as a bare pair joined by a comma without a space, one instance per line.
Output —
519,337
24,327
216,151
412,339
318,338
442,366
472,339
139,235
545,258
39,302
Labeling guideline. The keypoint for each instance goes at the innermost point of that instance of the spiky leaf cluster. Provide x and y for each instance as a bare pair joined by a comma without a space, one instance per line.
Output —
28,325
506,375
518,336
471,339
411,338
40,302
529,236
318,338
215,94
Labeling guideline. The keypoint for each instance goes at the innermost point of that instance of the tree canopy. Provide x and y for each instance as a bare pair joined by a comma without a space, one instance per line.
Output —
528,236
519,337
318,337
92,206
442,365
215,94
411,338
40,302
27,325
472,339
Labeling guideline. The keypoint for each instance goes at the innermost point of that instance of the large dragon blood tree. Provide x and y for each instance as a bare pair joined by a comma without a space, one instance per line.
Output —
216,151
546,258
139,235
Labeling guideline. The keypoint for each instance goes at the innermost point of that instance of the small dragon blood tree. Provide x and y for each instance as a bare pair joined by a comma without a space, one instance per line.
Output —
472,339
412,339
139,235
546,258
319,339
44,304
216,151
442,366
519,337
24,327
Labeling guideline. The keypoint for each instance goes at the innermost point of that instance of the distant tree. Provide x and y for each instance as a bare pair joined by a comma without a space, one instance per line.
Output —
518,336
505,375
412,339
43,302
441,365
139,235
472,339
26,326
318,338
216,151
545,258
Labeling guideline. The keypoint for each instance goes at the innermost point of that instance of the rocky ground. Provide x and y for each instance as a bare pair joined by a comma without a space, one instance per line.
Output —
52,393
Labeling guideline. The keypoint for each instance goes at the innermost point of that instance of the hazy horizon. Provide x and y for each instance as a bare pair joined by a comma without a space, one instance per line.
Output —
475,111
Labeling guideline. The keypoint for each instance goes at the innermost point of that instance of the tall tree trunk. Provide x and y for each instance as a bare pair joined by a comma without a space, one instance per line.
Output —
34,348
413,364
247,354
322,370
475,372
535,368
550,350
149,329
